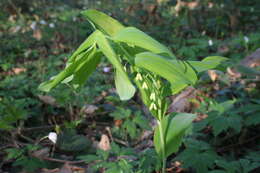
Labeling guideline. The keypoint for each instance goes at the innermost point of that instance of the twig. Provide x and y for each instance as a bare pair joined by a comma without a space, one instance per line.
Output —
61,125
38,128
121,142
6,146
62,161
109,133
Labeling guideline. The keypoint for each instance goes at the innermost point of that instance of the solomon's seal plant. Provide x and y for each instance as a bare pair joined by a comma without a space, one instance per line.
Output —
156,72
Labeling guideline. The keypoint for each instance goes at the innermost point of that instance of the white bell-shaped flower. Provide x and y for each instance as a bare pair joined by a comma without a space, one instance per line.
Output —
53,137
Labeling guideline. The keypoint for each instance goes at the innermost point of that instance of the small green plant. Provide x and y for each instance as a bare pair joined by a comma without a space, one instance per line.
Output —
23,158
129,123
124,160
141,59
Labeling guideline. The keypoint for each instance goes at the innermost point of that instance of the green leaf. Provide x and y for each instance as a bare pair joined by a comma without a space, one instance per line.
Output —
83,47
103,22
251,119
141,121
193,158
71,142
174,128
222,123
217,171
134,36
124,87
248,165
85,69
89,158
121,113
207,63
230,167
68,71
13,153
131,128
177,87
5,126
175,71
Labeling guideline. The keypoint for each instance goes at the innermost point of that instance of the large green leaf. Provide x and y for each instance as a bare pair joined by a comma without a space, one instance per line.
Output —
84,70
134,36
210,62
70,69
103,22
174,128
84,46
177,87
174,71
123,84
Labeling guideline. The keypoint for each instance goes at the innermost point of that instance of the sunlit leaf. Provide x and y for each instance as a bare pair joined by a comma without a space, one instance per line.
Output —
173,70
177,87
84,46
103,22
123,84
85,69
207,63
134,36
68,71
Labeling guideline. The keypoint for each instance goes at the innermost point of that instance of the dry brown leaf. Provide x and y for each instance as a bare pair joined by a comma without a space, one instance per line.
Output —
45,170
104,143
37,34
223,49
77,169
89,109
181,102
44,152
15,29
252,60
36,17
15,71
213,75
181,4
118,122
48,100
12,18
66,168
233,73
19,70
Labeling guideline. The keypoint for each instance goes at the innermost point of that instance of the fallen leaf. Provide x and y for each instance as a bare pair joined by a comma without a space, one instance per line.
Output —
37,34
223,49
89,109
213,75
41,153
66,168
48,100
181,102
77,169
233,73
45,170
15,71
118,122
15,29
252,60
104,143
19,70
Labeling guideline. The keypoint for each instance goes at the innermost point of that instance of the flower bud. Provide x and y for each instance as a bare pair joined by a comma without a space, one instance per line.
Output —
144,86
138,77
